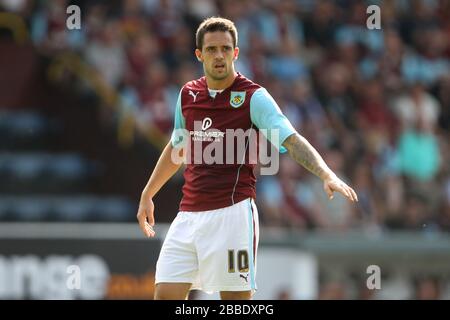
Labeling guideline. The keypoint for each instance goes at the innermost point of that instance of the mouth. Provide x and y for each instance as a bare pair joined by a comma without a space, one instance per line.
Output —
219,66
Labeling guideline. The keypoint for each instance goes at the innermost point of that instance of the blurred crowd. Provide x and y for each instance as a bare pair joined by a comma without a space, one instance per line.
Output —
396,287
375,103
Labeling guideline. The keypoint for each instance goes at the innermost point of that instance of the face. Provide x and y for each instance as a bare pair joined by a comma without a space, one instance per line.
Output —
217,55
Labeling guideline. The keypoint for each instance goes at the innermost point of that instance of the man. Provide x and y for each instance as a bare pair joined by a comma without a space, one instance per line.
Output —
212,243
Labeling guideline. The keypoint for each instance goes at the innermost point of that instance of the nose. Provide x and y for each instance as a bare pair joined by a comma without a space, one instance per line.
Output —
219,55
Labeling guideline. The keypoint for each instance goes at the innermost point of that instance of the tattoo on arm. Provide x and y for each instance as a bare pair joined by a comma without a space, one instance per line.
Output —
304,153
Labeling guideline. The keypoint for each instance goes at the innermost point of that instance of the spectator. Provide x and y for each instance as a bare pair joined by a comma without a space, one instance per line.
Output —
426,288
417,104
419,154
333,290
385,94
106,53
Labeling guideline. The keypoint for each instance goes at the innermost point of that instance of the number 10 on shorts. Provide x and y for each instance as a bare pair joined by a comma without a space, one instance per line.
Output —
242,261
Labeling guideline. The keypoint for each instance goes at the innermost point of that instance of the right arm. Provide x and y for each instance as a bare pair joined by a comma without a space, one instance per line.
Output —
165,168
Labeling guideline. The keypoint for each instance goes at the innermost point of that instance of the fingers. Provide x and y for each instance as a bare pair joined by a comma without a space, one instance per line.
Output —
150,217
145,226
142,223
355,196
342,188
329,192
149,232
349,193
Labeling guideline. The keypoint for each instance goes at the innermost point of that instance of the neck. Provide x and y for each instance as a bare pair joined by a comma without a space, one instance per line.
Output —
221,84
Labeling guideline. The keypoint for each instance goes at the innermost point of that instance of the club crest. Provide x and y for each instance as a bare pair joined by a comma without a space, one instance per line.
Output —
237,98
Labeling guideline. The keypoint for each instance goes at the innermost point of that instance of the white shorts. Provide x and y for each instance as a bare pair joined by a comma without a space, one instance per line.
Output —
214,250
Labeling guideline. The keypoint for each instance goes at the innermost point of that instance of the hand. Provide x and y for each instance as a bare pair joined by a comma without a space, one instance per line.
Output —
145,216
333,183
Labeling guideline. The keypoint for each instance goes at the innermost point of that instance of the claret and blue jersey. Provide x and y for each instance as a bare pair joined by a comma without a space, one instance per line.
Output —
244,105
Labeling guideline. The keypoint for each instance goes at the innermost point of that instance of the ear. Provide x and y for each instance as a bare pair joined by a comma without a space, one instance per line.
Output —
236,53
198,54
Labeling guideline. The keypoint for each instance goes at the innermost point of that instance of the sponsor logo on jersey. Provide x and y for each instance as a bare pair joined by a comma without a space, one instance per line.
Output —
194,95
205,134
207,122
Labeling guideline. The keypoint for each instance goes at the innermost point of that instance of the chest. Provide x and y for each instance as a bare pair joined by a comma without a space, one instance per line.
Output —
228,110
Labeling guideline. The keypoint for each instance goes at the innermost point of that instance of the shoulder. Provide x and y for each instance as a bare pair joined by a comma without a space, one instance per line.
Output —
245,84
192,88
196,85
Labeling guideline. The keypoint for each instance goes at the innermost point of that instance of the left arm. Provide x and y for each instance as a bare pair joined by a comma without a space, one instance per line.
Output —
266,114
304,153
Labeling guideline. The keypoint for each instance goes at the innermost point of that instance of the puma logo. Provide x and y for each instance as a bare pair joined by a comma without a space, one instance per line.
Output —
244,277
194,95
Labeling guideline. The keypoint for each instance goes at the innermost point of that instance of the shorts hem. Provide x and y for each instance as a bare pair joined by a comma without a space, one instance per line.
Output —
178,280
214,289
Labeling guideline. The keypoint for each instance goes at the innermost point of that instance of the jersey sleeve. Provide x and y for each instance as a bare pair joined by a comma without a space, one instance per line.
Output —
266,114
179,124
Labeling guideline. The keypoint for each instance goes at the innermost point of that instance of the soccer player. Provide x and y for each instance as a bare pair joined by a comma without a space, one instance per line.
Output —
212,243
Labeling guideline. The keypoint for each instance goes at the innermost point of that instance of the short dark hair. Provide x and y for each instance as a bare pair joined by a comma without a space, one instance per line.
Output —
213,24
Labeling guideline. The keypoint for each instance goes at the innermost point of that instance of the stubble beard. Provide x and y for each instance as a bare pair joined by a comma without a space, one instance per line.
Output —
216,76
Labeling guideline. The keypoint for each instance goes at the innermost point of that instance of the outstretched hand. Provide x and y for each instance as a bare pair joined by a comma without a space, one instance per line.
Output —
334,184
145,216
